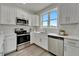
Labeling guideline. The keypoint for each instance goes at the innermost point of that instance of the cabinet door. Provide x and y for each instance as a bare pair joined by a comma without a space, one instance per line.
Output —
4,15
52,45
37,39
71,51
8,15
12,15
44,41
30,19
35,20
71,47
18,13
10,44
32,39
1,47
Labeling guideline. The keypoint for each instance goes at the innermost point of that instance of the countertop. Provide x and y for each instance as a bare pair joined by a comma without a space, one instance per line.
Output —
65,37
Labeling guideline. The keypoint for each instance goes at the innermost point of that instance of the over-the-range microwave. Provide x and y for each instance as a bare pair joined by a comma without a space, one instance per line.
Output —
20,21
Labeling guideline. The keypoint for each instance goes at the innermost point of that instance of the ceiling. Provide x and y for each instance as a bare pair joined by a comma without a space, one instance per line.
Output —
32,7
35,7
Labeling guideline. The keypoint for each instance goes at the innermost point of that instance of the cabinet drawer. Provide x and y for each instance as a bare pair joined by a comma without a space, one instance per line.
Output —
1,48
74,43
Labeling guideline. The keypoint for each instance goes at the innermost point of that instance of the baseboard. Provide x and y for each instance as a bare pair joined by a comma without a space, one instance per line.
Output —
10,52
52,54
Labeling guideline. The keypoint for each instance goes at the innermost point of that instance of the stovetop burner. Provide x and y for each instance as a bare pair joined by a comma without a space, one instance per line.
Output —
20,31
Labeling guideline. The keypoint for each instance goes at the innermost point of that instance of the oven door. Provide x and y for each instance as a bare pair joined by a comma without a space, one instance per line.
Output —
22,39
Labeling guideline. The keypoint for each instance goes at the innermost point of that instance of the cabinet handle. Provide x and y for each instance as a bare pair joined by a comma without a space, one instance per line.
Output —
72,43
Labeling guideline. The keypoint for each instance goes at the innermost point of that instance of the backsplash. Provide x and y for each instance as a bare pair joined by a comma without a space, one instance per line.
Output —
9,29
72,29
43,29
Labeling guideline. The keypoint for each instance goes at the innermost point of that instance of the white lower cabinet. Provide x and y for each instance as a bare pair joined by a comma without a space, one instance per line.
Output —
32,38
71,47
10,44
1,45
1,50
55,46
40,40
44,41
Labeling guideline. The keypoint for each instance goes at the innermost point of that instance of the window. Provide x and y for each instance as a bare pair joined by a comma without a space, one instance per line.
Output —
45,19
50,18
53,18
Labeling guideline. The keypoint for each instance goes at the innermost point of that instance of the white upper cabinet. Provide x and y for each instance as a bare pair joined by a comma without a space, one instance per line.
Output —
69,14
30,19
34,20
12,15
7,15
4,13
21,13
37,20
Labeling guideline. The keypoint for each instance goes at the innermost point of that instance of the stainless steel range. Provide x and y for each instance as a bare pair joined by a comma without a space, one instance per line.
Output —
22,35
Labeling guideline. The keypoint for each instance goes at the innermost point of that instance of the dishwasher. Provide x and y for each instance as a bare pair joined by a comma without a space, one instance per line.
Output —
55,45
71,47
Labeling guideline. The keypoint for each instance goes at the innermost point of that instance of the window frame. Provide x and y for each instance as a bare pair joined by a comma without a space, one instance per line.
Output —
50,19
48,12
42,19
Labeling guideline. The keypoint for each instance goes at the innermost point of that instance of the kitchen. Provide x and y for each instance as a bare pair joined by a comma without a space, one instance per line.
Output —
39,29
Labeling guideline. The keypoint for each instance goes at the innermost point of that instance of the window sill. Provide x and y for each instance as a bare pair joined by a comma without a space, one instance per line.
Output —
55,27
